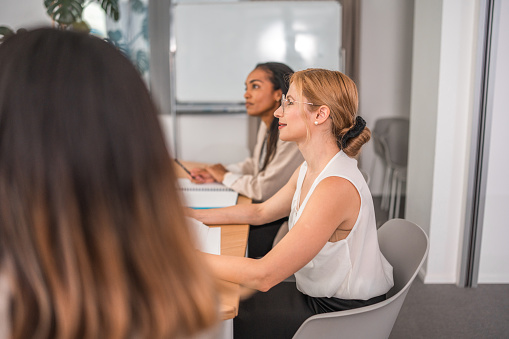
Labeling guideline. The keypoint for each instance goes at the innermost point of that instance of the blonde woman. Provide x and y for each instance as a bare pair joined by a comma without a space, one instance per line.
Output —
331,246
93,241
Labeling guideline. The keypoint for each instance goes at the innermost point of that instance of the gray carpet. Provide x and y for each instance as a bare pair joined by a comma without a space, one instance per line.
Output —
447,311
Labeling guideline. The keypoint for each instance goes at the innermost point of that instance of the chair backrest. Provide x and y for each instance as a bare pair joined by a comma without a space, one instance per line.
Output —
378,132
394,141
405,246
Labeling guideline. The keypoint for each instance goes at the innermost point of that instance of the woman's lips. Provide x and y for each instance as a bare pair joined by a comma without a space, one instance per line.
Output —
281,125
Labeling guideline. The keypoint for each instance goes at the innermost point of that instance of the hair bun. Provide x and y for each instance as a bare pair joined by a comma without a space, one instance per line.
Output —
353,132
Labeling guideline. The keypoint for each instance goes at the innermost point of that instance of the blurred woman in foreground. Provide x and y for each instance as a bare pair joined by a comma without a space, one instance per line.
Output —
93,242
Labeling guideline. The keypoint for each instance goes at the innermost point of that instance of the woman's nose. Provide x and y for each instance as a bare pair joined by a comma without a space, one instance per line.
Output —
279,112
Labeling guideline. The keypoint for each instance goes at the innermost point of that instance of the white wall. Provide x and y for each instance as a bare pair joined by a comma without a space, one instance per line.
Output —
455,107
385,70
23,14
493,267
423,111
208,138
442,98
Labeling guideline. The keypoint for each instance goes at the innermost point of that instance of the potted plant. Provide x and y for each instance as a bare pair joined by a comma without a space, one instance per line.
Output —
68,14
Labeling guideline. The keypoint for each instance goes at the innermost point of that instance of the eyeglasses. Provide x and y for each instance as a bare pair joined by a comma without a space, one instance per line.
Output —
287,102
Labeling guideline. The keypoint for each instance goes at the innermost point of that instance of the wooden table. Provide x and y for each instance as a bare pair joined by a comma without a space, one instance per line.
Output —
233,242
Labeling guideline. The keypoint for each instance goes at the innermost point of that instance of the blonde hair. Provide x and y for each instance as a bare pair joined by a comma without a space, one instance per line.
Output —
339,93
92,231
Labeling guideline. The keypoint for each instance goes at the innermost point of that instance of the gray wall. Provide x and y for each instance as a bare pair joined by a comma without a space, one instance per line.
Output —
23,13
385,70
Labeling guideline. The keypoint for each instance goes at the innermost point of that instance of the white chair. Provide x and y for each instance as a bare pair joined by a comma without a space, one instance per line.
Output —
395,145
390,140
405,246
378,132
398,181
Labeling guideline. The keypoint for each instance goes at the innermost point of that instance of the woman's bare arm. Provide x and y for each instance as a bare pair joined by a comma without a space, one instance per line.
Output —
334,203
277,207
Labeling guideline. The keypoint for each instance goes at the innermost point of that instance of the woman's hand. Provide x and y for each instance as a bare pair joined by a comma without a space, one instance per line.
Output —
189,212
217,171
201,176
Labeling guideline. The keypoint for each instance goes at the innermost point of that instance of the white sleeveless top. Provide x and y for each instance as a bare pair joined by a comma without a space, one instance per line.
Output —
352,268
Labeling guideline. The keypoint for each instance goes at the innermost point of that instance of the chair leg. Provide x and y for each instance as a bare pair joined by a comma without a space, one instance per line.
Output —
386,189
398,196
392,196
372,169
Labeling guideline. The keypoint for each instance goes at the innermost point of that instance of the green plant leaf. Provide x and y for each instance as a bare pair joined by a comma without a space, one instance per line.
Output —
111,8
64,12
144,28
142,61
5,32
137,6
115,36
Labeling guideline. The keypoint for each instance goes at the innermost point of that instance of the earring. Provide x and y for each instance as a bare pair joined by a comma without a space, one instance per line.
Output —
316,123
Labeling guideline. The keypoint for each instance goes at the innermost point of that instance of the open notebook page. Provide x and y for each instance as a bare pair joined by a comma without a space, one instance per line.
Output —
211,195
208,239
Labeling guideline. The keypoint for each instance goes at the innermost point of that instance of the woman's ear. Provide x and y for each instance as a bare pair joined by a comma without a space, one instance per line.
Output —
322,114
278,94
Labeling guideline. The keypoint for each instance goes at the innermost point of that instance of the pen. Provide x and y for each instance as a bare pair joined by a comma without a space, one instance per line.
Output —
183,167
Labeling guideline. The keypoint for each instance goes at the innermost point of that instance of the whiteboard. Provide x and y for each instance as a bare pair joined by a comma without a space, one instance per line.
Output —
216,45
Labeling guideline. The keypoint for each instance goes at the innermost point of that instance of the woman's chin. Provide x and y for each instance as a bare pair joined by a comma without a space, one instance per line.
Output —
284,137
253,113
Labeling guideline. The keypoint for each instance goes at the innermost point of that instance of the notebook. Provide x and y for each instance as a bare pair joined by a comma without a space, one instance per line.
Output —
211,195
208,239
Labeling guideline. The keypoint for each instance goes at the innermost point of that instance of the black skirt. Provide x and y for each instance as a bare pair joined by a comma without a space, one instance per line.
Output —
261,238
279,312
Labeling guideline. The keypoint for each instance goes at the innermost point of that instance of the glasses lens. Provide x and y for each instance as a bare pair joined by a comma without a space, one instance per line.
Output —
283,99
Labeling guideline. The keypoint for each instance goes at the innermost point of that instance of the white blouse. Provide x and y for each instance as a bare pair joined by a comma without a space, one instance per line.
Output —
247,178
354,267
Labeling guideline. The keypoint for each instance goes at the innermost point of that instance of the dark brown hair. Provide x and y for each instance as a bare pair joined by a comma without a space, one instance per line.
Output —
92,234
279,75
